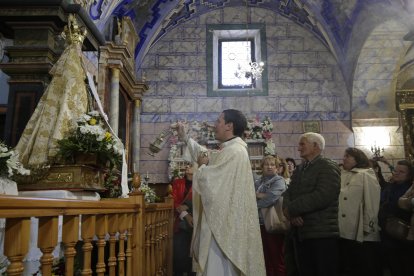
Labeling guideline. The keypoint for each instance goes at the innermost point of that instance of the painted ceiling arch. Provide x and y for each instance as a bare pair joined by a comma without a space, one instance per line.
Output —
379,63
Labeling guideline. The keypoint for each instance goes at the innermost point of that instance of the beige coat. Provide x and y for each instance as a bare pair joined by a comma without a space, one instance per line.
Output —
359,202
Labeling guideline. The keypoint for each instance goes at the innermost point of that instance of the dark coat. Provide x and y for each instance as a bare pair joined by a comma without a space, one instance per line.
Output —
313,195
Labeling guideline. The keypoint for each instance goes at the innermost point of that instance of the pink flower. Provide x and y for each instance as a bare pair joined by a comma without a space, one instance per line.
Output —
267,135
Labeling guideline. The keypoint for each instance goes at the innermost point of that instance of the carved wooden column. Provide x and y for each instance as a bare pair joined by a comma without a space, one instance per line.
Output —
114,101
136,145
117,57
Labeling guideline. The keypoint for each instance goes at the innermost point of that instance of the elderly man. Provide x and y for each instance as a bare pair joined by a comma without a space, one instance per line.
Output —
226,238
311,203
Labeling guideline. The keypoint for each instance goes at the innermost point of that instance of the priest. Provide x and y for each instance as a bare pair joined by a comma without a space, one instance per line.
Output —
226,235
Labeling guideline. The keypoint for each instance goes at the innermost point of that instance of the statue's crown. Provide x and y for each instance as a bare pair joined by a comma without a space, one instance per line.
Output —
73,33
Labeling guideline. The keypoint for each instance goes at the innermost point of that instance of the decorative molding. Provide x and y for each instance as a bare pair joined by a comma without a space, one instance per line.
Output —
311,126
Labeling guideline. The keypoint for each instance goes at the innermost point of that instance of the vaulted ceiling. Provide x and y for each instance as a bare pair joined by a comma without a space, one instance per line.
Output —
341,25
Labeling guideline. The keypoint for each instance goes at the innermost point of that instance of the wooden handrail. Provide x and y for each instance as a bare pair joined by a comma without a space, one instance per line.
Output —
143,232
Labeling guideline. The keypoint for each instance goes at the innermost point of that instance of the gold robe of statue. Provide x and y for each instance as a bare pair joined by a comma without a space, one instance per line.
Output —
225,213
63,102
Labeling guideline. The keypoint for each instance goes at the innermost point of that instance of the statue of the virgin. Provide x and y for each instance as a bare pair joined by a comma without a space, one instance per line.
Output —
65,100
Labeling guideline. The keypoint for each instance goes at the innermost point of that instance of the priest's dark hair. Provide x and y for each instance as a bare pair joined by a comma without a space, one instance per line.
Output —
238,119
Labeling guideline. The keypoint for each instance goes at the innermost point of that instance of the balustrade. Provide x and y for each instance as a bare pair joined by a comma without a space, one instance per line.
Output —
143,233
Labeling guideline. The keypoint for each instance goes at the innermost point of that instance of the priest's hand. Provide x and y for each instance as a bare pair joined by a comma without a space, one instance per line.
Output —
180,127
182,208
189,219
203,158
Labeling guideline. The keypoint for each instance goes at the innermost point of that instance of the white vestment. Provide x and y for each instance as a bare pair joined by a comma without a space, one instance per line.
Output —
225,213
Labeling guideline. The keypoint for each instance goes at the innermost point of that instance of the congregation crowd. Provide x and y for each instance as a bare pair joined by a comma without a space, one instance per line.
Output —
345,219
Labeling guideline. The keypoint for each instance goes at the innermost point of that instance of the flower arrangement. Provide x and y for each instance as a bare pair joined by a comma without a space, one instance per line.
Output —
112,184
173,168
9,162
150,195
91,136
267,127
254,129
257,129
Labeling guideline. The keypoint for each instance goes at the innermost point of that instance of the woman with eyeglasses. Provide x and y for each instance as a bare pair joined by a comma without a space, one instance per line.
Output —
291,165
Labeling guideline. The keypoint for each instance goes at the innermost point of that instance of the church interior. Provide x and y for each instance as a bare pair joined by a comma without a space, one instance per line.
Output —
340,68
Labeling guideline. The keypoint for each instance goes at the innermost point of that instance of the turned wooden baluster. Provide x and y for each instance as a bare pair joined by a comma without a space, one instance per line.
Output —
47,241
128,251
16,243
101,229
123,224
148,244
112,229
164,240
153,242
138,246
88,231
161,247
158,240
70,235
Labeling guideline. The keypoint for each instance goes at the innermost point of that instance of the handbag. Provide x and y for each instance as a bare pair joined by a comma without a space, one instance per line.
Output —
274,219
397,228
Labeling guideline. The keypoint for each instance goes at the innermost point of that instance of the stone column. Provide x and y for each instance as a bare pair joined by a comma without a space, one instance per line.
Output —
114,102
136,141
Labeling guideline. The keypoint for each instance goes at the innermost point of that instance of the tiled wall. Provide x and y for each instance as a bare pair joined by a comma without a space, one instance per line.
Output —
305,83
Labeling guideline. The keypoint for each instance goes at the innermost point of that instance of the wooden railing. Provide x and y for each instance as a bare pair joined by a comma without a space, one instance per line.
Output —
142,231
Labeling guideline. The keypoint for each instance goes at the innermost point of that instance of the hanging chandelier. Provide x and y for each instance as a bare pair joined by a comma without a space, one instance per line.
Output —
252,70
249,68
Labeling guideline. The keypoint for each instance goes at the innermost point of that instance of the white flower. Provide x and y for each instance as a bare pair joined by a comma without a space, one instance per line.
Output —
270,148
6,154
94,113
84,118
267,124
173,152
3,149
150,195
118,147
12,162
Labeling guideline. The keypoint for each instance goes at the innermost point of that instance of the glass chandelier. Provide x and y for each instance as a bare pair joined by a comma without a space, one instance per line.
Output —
251,69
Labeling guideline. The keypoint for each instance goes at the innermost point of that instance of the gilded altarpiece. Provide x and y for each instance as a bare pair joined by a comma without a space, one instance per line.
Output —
405,105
